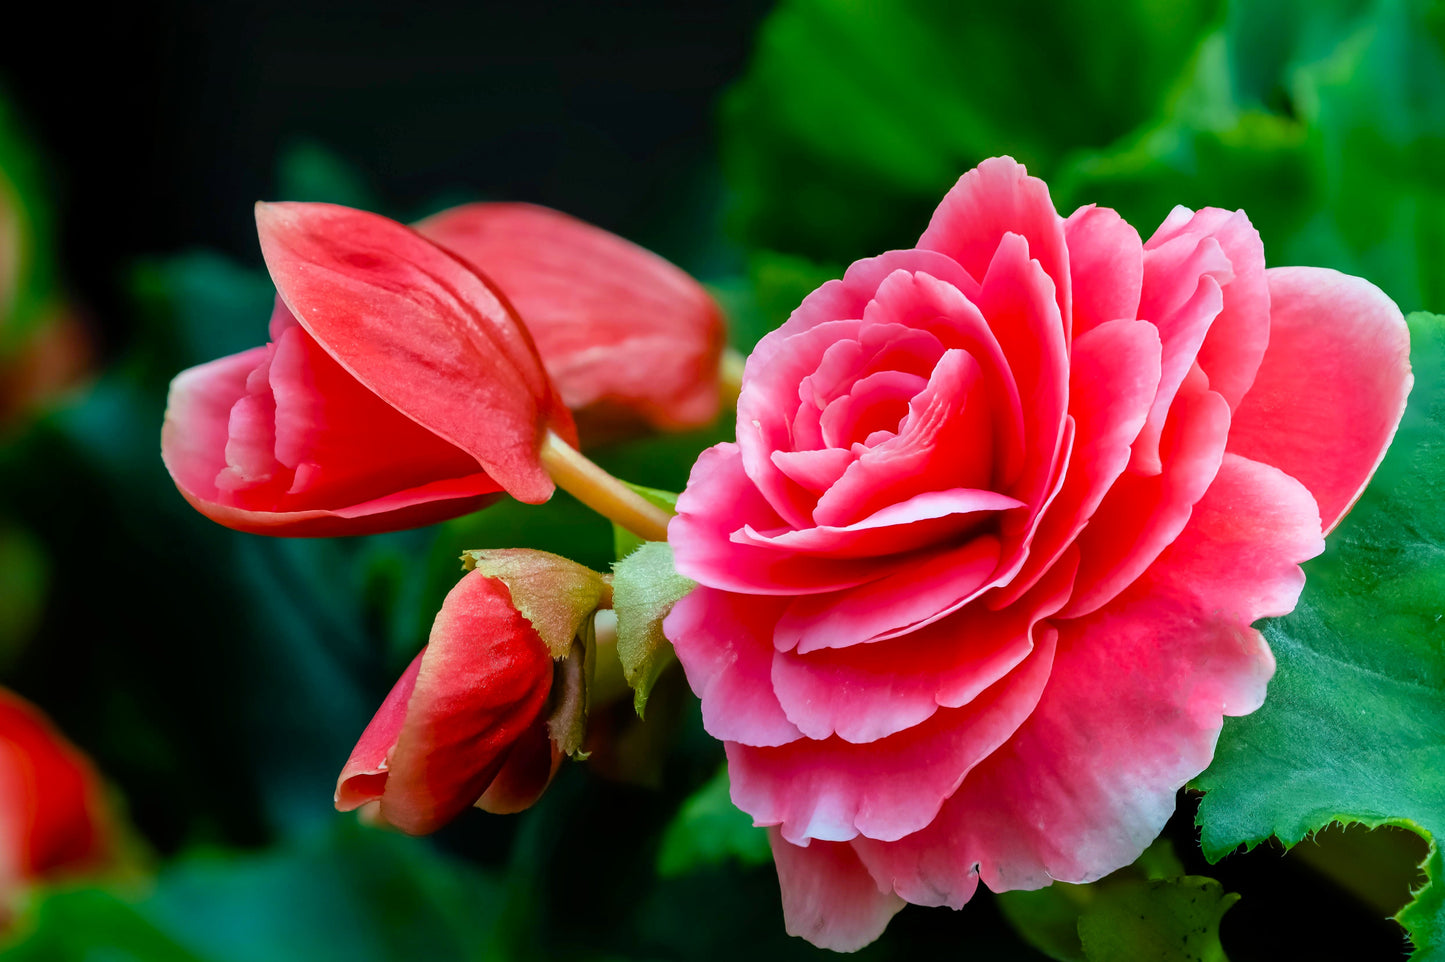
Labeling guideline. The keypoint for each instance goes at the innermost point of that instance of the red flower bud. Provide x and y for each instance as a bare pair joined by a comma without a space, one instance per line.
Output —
53,817
627,337
399,389
466,723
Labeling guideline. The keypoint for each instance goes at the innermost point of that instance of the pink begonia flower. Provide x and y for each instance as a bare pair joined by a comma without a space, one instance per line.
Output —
399,389
465,724
54,820
978,576
627,337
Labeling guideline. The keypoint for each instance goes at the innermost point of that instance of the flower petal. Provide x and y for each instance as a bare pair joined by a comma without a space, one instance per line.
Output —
723,641
1106,267
834,790
1090,778
828,896
483,680
421,330
996,198
1332,387
620,330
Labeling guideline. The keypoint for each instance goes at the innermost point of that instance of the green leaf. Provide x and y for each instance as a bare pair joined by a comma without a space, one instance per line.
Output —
928,88
1165,920
352,893
624,542
556,595
1353,729
27,257
709,830
645,586
1048,918
309,171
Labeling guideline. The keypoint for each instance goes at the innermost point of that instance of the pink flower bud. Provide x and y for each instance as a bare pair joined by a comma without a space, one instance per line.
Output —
399,389
466,723
627,337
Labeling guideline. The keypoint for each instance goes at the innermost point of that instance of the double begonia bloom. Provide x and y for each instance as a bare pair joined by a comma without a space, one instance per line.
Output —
977,578
629,339
53,816
466,723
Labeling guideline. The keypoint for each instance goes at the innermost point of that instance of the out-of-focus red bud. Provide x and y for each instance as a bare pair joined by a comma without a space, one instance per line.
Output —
628,338
53,816
466,721
399,389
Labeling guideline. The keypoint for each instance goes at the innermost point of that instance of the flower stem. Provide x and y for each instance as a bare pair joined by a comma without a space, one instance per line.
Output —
601,492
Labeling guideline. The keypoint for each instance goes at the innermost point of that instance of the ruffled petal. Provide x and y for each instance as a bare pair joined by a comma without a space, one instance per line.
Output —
1090,778
1332,387
835,791
828,896
723,642
1106,267
994,199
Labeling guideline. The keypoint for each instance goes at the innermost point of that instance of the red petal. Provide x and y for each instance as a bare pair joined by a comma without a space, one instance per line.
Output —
483,681
421,330
1332,387
1106,267
616,325
363,777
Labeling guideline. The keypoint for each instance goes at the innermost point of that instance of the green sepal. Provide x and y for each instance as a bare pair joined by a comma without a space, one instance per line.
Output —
556,595
645,586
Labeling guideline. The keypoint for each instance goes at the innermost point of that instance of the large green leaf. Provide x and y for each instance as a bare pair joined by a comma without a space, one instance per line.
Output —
854,118
1353,729
355,894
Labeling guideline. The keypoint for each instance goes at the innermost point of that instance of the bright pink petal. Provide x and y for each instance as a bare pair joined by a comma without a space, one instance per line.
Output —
1089,780
421,330
483,681
868,691
1332,387
1143,513
828,896
723,641
994,199
1113,377
719,500
834,790
1183,294
1017,297
1106,267
620,330
931,586
1236,342
917,522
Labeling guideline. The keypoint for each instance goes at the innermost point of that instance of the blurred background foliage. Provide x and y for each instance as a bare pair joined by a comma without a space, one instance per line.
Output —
219,680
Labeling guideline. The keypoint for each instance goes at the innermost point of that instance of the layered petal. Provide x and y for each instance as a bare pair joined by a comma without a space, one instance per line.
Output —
624,334
1332,387
281,440
1132,710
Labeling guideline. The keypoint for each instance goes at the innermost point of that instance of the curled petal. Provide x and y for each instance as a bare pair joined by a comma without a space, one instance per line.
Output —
1332,386
623,333
419,329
